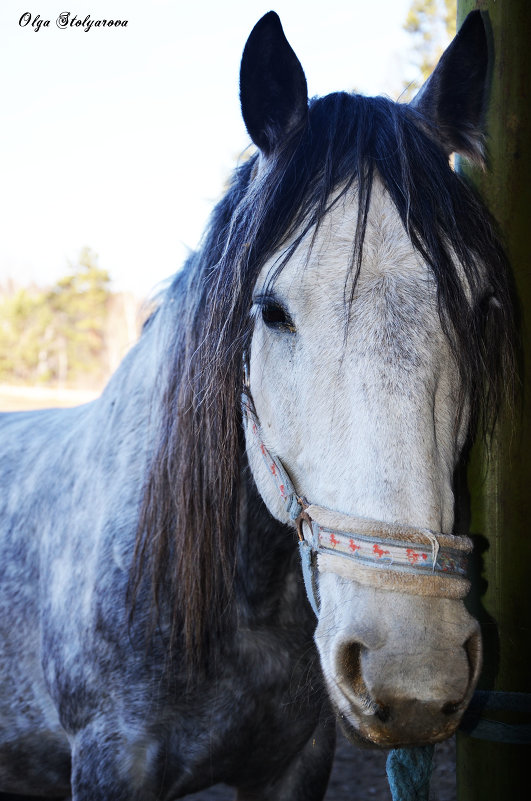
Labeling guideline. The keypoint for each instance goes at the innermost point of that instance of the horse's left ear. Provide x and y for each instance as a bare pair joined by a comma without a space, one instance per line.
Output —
273,91
454,97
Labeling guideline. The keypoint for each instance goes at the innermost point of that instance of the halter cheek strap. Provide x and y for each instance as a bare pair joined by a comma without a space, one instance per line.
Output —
373,553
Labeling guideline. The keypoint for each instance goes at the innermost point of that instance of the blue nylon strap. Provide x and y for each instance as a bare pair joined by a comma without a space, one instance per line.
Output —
308,574
477,724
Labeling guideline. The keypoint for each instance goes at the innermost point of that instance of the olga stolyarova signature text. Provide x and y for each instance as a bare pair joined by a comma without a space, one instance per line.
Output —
68,20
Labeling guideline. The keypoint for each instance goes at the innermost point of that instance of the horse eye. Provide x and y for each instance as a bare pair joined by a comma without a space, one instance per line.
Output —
275,316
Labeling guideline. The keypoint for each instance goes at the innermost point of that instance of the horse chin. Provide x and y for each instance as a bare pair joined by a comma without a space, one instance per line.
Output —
376,742
369,731
353,734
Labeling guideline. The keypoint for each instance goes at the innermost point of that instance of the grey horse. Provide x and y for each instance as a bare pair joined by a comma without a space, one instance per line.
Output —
156,637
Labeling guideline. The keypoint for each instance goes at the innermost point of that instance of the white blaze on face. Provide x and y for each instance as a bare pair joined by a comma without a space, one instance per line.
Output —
366,425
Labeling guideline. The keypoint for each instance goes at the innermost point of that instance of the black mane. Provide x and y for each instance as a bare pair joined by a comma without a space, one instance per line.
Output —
194,481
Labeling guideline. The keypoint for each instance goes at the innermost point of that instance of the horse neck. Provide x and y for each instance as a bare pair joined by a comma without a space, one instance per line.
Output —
135,389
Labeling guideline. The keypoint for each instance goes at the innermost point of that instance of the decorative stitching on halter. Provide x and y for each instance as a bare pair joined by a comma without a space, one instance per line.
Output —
390,554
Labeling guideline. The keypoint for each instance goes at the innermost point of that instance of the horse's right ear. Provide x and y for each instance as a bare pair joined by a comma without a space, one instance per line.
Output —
273,91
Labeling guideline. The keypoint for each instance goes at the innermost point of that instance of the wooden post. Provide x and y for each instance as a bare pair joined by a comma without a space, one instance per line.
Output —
500,489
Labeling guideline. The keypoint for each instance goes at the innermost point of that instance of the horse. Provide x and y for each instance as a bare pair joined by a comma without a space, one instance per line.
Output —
305,389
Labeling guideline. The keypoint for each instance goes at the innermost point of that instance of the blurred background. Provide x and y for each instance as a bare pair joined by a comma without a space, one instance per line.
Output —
117,142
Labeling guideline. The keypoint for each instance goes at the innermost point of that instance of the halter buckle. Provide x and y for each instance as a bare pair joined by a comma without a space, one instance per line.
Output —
302,517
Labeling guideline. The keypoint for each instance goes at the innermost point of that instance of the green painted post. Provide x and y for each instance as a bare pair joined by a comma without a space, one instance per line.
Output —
500,489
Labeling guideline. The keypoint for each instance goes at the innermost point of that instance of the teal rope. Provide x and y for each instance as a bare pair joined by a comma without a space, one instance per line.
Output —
409,773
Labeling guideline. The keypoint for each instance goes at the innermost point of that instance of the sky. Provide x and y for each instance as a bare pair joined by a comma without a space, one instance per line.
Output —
122,138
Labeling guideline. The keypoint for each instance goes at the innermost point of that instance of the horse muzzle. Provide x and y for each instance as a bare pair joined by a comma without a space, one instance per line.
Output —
398,674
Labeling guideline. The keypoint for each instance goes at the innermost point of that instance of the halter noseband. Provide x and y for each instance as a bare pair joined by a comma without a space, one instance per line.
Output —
385,555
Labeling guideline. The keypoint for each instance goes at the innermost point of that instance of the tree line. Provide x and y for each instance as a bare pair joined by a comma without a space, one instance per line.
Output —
72,333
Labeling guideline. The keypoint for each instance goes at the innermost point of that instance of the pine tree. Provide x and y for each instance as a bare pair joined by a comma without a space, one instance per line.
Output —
57,335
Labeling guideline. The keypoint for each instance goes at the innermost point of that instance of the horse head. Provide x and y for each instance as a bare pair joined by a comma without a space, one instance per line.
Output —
363,373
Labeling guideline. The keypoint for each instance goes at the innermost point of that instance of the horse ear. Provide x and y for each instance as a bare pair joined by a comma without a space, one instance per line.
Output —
453,100
273,91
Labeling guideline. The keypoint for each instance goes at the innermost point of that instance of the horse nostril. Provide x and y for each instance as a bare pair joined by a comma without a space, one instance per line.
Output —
472,649
349,664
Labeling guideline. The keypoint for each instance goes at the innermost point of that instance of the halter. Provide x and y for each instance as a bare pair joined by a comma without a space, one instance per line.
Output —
373,553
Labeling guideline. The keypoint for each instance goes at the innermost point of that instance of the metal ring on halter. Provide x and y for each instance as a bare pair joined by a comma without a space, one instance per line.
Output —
302,517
